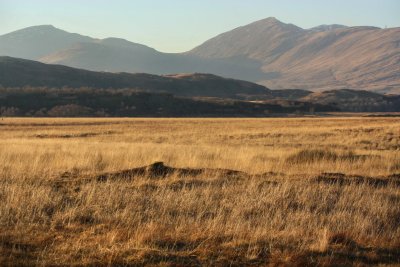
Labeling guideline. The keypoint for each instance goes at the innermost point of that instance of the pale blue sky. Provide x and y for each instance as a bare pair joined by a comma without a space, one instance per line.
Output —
179,25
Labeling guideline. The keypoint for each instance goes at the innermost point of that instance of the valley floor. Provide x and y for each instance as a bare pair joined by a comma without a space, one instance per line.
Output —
192,192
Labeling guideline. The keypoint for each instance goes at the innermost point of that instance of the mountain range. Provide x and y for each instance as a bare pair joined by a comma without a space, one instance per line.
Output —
27,85
268,52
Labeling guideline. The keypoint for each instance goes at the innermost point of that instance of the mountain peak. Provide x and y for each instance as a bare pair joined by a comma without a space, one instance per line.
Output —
274,22
32,30
37,41
45,26
271,19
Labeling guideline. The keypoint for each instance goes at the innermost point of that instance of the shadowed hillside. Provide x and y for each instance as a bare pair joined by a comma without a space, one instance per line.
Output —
19,73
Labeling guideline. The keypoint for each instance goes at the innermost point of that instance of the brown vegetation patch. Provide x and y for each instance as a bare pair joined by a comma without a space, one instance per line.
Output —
18,249
345,256
77,135
315,155
343,179
181,184
159,170
192,184
221,177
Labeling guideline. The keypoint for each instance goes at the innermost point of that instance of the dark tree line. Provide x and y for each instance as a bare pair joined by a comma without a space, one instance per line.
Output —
89,102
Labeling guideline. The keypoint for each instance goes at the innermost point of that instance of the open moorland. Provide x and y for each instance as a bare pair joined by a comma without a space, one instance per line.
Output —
195,192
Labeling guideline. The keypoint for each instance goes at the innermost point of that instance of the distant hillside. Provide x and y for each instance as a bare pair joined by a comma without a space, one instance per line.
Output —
19,72
356,101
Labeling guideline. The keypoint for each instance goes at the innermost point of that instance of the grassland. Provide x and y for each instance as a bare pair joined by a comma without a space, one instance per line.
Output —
270,192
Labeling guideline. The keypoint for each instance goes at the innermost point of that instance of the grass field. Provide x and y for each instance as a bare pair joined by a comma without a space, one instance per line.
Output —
238,192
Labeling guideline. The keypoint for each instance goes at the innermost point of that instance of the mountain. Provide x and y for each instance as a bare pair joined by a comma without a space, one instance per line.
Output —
268,52
356,101
263,40
326,57
101,56
104,55
38,41
54,46
19,73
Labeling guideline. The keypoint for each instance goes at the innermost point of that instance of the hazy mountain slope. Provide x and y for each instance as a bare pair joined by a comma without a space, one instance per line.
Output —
320,58
54,46
38,41
101,56
18,72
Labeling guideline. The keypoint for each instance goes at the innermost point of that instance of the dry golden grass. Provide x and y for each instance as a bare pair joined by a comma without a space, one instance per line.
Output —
282,210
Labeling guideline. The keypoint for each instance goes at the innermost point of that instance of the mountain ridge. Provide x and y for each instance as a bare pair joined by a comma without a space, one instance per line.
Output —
269,52
332,58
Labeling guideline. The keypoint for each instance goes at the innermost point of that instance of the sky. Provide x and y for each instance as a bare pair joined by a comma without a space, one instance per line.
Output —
180,25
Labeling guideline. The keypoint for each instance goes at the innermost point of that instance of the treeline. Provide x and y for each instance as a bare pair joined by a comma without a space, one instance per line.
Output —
381,104
89,102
